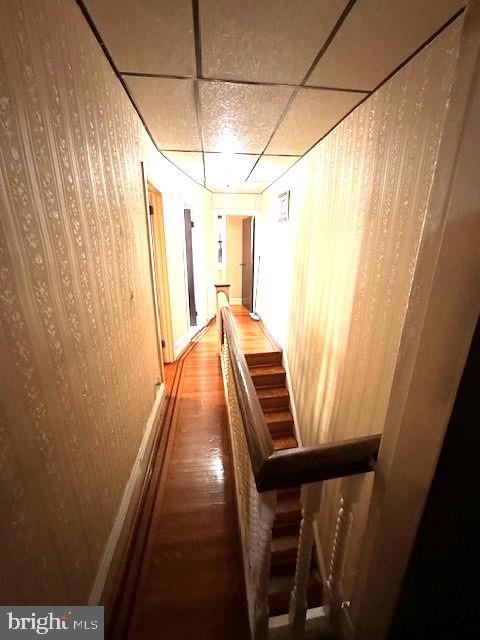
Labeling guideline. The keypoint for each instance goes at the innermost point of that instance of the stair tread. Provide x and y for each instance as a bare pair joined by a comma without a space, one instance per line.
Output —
263,370
285,543
284,584
272,392
263,358
280,588
288,505
282,441
278,416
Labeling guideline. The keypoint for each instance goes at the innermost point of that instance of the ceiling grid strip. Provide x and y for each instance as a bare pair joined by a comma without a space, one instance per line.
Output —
380,84
320,53
196,89
103,46
298,111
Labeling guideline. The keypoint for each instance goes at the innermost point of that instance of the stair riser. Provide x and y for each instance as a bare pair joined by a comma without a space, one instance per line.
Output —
283,563
289,494
289,519
283,569
280,402
285,556
279,603
281,426
255,359
268,380
286,528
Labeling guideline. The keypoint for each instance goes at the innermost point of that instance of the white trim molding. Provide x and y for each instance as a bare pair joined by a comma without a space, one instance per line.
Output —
125,513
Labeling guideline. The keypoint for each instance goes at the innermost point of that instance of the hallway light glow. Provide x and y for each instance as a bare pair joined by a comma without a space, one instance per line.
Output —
228,169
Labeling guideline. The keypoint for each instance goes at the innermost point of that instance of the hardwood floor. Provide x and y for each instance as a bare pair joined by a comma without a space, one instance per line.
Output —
253,336
191,580
186,581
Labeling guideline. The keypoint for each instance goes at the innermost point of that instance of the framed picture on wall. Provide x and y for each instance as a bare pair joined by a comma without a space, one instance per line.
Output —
284,206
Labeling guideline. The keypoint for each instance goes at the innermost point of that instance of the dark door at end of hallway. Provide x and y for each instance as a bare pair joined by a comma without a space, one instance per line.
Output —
248,235
189,260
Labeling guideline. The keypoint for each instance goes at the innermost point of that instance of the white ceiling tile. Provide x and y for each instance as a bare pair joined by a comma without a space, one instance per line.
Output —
227,171
147,36
168,107
221,188
269,168
191,162
251,186
313,113
264,41
239,117
376,37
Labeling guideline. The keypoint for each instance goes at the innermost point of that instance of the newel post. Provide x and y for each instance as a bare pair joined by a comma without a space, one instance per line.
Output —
220,300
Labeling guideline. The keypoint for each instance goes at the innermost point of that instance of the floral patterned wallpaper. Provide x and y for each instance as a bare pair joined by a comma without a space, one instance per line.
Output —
79,365
336,296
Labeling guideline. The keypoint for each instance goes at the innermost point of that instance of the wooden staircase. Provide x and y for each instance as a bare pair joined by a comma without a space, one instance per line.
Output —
269,379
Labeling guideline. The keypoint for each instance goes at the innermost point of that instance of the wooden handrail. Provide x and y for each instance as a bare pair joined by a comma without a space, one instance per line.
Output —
259,440
302,465
288,467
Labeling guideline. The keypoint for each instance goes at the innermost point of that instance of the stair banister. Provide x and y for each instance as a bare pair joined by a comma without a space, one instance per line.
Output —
260,445
260,472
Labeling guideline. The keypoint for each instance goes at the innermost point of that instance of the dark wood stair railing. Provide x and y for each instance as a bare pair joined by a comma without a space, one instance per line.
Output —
277,539
289,467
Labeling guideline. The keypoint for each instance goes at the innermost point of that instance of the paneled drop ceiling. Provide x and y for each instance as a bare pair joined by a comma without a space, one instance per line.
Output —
234,92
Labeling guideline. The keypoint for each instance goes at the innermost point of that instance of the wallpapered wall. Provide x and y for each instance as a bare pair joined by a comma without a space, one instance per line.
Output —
79,366
336,297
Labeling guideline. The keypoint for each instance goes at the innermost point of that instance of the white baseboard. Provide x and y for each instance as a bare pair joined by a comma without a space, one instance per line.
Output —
181,344
235,301
185,340
126,509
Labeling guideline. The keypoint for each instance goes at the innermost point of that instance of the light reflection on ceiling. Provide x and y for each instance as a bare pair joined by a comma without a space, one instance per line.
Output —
233,93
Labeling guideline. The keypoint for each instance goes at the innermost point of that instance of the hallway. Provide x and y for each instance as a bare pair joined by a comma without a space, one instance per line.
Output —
191,583
163,164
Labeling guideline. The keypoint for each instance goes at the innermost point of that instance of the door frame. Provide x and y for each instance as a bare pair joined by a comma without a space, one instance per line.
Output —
159,271
252,259
190,269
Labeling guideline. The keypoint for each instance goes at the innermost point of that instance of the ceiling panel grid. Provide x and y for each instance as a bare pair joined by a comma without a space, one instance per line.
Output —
234,93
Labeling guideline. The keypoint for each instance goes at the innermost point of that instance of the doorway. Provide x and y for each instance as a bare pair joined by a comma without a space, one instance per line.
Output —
248,251
159,272
239,259
189,264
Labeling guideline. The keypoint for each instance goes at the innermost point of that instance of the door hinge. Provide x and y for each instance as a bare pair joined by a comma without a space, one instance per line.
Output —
192,223
150,209
163,343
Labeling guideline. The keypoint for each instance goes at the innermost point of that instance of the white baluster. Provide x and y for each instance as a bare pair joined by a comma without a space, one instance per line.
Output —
255,512
349,491
298,599
266,513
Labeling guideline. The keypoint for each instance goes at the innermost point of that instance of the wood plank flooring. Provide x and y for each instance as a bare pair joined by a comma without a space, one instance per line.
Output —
252,334
190,584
